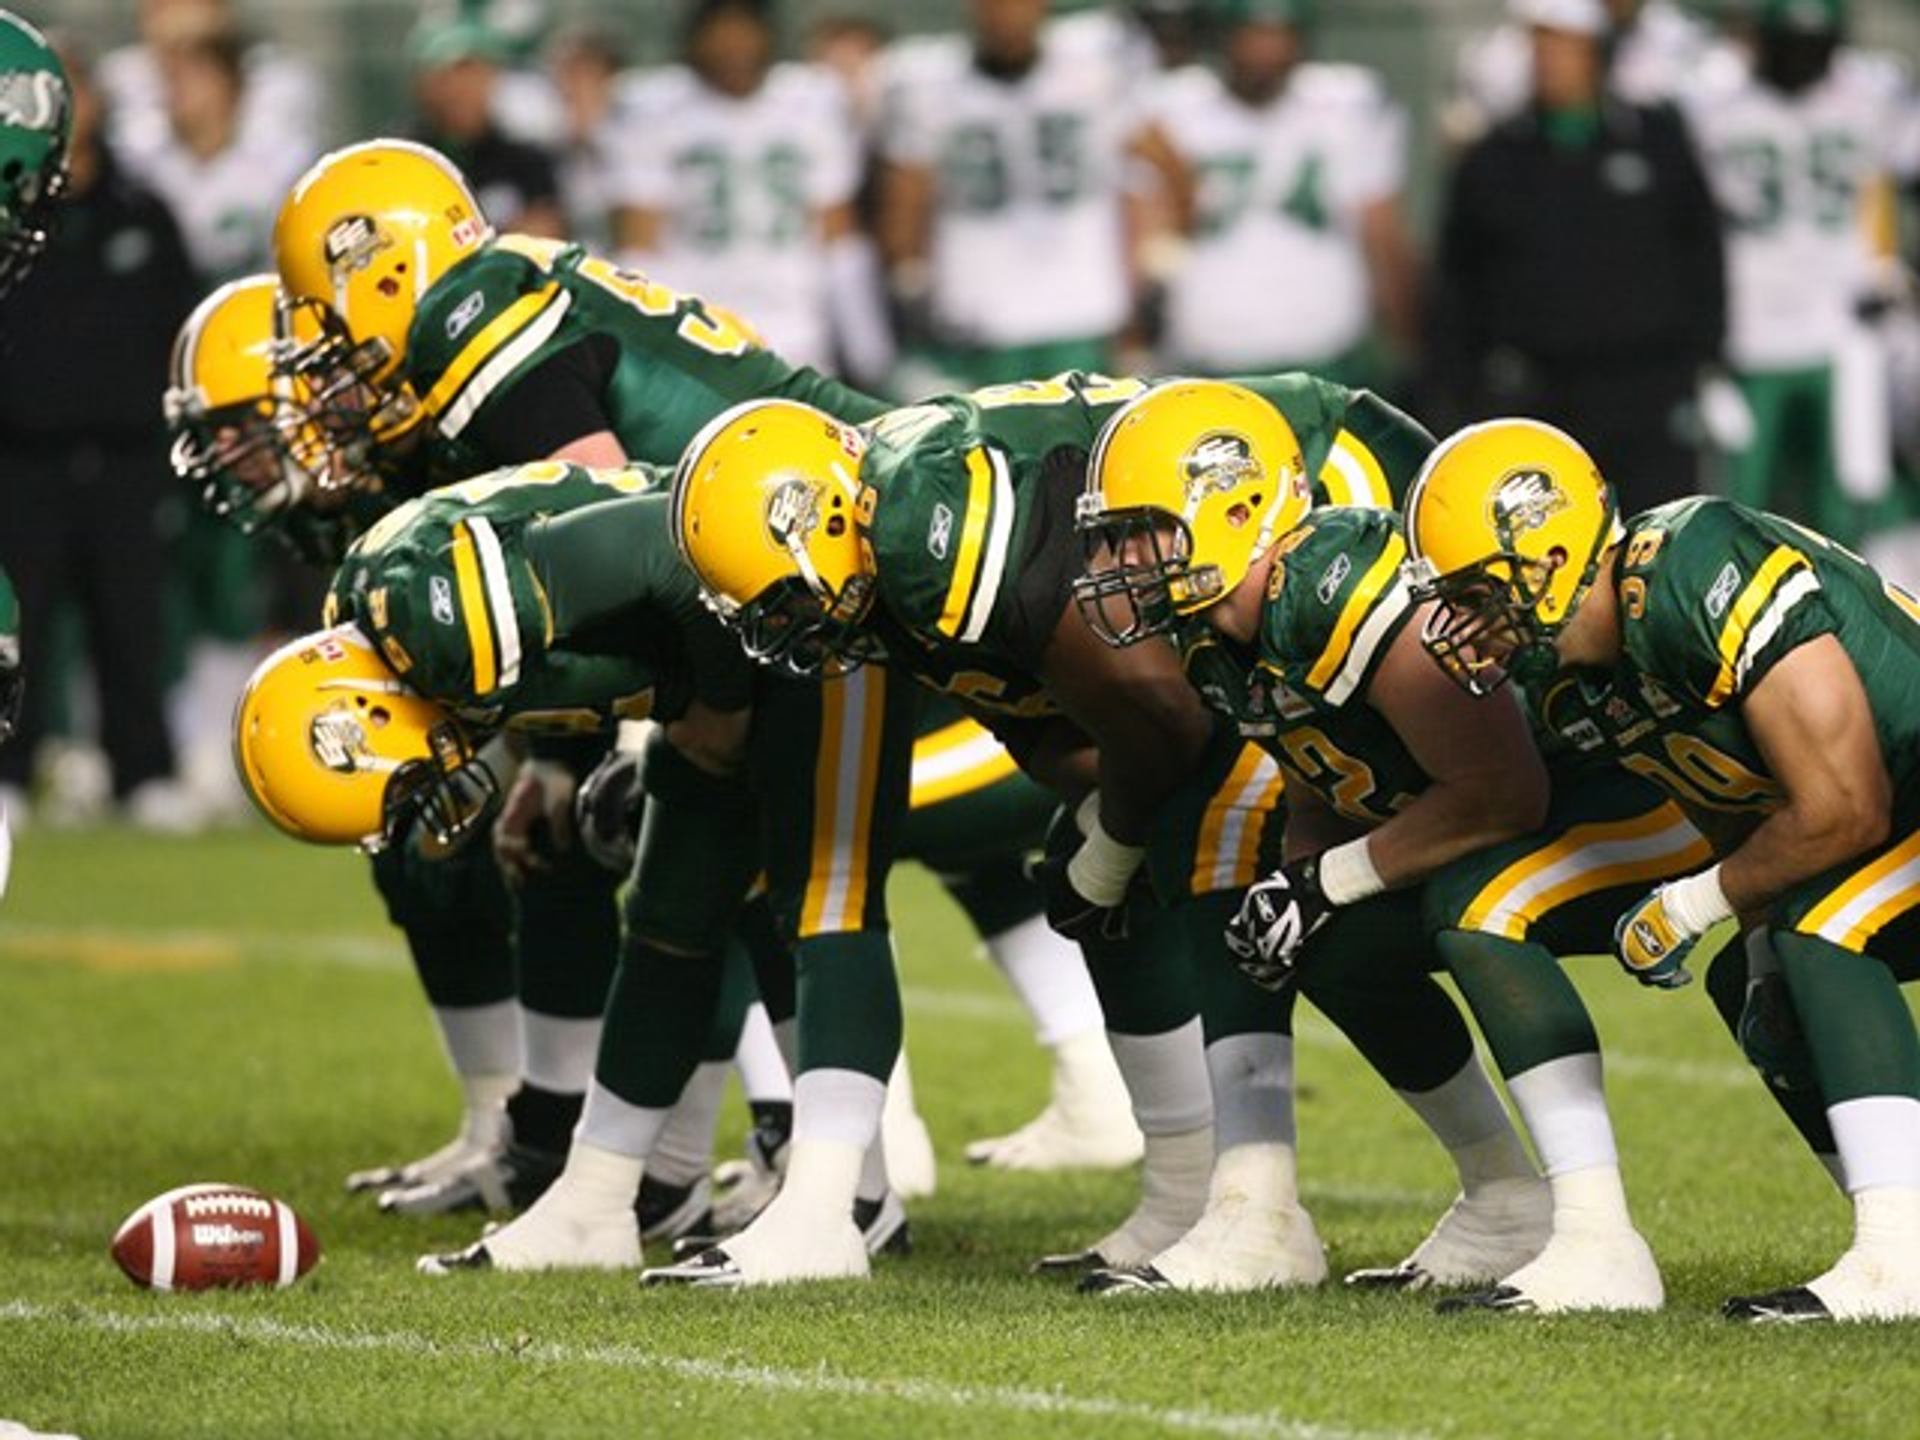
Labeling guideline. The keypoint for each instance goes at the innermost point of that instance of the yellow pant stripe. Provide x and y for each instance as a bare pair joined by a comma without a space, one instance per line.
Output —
1584,861
1353,475
1753,599
973,542
1868,900
473,608
846,772
477,351
1227,851
957,760
1365,595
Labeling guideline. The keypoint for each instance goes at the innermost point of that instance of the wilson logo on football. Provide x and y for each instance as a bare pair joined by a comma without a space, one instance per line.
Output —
352,243
226,1236
1526,500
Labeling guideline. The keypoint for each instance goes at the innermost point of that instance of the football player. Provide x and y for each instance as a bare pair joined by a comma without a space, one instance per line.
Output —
737,180
1296,168
1764,676
940,536
1198,507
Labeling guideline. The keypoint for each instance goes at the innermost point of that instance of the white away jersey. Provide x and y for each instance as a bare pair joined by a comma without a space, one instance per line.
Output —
225,205
738,185
1275,276
1028,243
1790,173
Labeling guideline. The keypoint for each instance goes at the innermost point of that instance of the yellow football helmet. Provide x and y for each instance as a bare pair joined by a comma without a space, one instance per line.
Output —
1506,527
768,508
1188,485
336,750
241,433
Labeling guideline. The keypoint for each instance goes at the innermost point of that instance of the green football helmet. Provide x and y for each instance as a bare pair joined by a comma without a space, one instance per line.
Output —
36,116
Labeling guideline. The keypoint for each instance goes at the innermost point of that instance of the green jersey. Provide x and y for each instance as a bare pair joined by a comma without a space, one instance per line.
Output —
1711,597
660,364
547,597
973,521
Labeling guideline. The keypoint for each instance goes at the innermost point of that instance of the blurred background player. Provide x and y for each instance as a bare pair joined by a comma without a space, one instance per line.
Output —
1803,140
737,181
1296,240
82,452
1002,210
1579,274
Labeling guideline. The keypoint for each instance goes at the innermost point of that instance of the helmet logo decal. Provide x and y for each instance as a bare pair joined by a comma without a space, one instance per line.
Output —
440,598
940,532
1526,500
793,513
352,242
1216,463
32,100
339,741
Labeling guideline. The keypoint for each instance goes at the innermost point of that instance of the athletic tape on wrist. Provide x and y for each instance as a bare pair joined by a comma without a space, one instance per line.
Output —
1696,903
1102,868
1347,874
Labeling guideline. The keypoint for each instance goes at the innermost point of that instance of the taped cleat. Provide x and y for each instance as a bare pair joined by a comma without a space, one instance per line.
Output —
499,1181
1087,1124
585,1221
1068,1263
1796,1305
482,1132
674,1212
1253,1234
1174,1184
1500,1297
1579,1270
711,1269
1482,1237
474,1257
1140,1279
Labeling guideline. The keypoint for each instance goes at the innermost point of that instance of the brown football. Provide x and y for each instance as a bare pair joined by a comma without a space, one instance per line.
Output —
202,1236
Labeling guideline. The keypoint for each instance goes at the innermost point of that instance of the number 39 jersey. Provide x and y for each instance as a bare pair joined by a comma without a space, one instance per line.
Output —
738,184
1275,270
1712,596
673,362
545,597
1027,245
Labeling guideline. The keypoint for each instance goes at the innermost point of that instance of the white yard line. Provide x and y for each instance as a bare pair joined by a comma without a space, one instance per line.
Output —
810,1384
360,951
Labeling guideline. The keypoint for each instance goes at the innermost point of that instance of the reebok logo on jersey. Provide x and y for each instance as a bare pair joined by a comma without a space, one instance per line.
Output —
464,314
1724,585
1334,577
440,599
1526,500
940,532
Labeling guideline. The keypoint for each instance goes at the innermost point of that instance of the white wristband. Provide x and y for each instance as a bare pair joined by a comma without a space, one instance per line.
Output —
1696,903
1347,873
1102,868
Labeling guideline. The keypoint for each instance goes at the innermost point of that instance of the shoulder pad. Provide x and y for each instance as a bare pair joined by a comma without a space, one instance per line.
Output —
1189,86
1323,83
1335,599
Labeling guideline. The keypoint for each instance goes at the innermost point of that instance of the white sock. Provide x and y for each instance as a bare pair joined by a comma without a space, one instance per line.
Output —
1252,1082
560,1051
763,1069
1174,1177
1879,1141
1049,974
1466,1116
481,1039
684,1150
1166,1077
873,1172
1564,1104
610,1123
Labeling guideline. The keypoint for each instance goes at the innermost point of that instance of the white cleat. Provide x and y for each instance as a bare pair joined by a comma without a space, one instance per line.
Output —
1484,1236
1174,1185
912,1171
1877,1279
584,1221
1088,1122
757,1257
481,1134
1580,1269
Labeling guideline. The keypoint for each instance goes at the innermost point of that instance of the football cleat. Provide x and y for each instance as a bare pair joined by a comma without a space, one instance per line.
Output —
709,1269
1087,1125
480,1135
883,1225
1175,1180
1139,1280
560,1232
1482,1237
674,1212
509,1178
1796,1305
1578,1270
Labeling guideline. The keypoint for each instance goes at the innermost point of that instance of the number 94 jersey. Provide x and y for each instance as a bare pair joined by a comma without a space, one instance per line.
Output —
546,597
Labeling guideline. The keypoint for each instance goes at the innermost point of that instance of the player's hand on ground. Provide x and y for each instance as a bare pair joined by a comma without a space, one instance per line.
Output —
536,821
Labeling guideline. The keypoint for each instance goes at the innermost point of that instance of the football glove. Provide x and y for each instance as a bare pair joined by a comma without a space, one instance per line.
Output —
1653,944
607,811
1072,914
1276,918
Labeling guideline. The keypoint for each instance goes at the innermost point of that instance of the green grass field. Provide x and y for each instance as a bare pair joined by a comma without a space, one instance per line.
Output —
234,1009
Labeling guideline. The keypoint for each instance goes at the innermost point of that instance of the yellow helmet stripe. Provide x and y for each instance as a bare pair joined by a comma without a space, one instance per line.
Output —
503,344
1377,601
1736,647
473,608
984,537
